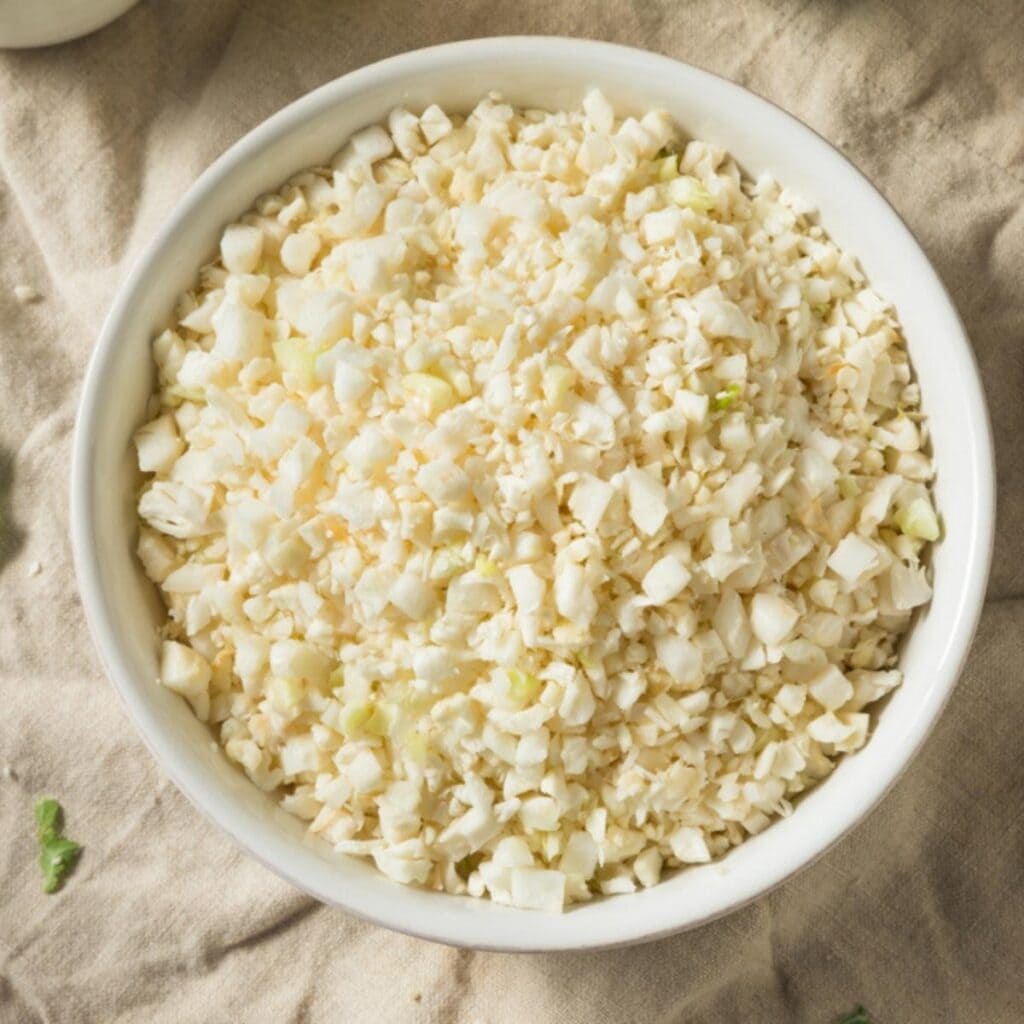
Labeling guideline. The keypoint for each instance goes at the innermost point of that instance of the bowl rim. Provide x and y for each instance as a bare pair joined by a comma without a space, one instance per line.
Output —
626,929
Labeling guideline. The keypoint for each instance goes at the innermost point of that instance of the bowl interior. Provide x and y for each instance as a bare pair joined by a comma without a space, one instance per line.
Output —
122,608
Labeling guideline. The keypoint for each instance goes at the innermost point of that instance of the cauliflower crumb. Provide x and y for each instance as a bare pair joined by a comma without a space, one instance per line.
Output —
537,502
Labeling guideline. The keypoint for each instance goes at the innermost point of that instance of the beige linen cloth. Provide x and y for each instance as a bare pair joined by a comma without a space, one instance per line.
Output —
919,914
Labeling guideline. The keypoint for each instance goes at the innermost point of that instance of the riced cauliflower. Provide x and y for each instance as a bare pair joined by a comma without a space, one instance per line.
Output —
537,502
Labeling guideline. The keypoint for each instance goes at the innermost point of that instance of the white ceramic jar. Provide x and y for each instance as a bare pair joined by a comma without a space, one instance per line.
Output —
27,23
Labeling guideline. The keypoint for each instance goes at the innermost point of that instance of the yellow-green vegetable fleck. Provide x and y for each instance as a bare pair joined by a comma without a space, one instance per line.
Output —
668,167
485,567
585,660
689,192
366,718
726,396
918,520
449,562
848,487
184,394
556,384
435,393
416,746
297,357
355,717
522,686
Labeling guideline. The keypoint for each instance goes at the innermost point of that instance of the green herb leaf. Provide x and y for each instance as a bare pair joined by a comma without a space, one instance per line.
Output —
57,855
47,819
726,397
56,858
858,1016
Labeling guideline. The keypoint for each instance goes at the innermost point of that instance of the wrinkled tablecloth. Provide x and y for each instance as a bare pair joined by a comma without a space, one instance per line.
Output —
918,915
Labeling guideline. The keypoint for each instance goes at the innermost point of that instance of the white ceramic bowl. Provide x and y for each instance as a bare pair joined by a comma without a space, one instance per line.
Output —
123,611
26,23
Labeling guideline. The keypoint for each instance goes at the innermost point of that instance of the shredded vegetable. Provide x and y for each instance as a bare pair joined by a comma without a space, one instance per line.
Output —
537,501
